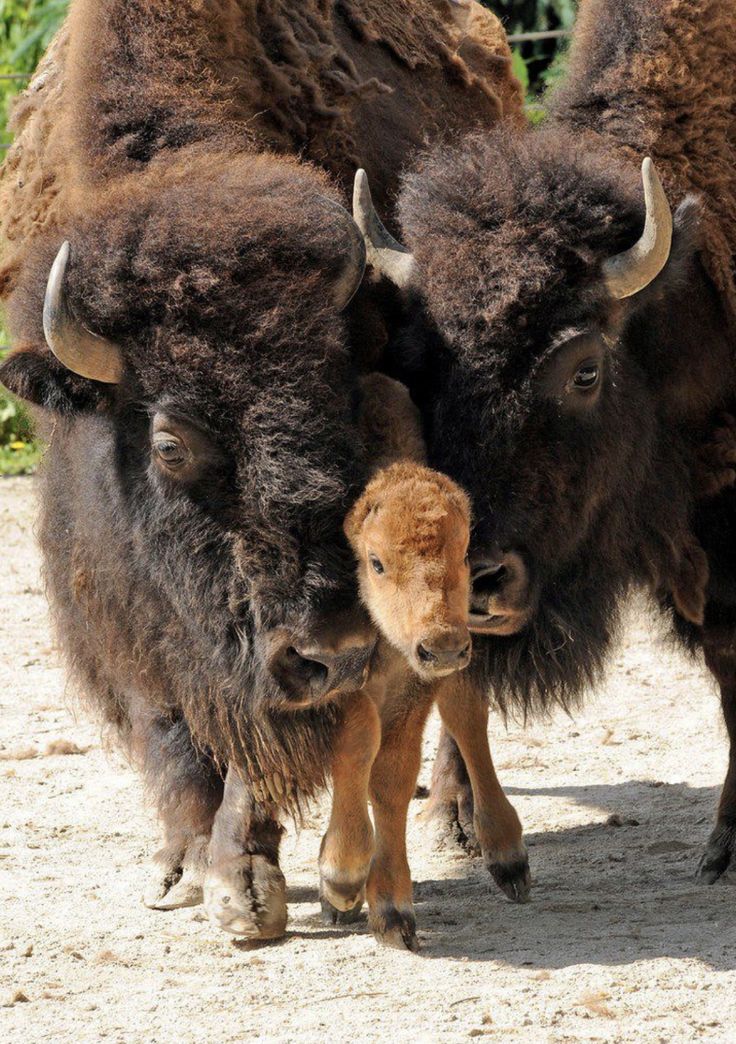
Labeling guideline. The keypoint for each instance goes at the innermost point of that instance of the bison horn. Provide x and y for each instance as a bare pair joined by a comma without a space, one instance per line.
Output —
384,253
75,347
628,273
347,283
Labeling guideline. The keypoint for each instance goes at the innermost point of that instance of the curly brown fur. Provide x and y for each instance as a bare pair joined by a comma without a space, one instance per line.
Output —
592,486
167,133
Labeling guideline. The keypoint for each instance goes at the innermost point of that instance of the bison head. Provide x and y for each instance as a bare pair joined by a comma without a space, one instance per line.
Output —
542,328
193,336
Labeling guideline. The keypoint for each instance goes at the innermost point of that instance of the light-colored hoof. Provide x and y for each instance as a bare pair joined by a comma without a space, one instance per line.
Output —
247,897
186,892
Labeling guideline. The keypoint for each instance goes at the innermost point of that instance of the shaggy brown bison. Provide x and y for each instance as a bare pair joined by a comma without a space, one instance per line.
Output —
177,283
571,345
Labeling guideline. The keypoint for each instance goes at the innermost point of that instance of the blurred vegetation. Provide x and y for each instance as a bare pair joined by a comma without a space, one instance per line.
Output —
538,63
26,28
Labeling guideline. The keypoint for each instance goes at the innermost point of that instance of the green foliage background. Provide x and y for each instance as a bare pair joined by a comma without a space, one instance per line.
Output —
26,28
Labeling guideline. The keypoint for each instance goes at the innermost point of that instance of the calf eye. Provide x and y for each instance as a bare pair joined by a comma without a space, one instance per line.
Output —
170,450
587,376
377,565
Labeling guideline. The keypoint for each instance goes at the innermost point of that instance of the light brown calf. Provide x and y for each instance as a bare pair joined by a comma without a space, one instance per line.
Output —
409,531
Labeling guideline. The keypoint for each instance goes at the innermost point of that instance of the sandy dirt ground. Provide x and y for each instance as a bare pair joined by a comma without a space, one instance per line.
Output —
618,944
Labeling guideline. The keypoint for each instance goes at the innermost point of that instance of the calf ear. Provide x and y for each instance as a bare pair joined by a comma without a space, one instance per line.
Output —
37,377
355,519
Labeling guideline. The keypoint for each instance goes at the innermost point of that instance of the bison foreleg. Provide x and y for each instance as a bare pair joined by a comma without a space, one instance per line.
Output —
347,847
495,820
720,852
187,791
450,804
244,889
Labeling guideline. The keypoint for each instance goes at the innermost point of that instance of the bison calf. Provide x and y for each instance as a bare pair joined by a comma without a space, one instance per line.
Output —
410,532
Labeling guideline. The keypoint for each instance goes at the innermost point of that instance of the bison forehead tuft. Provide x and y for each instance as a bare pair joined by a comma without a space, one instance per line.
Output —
511,231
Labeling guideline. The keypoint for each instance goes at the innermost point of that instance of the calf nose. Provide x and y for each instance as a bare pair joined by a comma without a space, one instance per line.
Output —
447,650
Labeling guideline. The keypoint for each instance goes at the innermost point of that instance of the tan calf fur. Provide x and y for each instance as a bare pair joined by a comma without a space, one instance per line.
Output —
410,531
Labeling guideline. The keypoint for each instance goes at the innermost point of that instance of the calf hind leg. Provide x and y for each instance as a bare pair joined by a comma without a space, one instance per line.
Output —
720,851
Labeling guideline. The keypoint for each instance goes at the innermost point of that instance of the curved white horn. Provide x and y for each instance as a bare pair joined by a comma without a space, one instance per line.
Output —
384,253
628,273
75,347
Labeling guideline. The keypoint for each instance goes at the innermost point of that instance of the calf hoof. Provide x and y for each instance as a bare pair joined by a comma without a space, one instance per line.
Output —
345,897
394,927
175,880
512,875
332,916
719,853
247,897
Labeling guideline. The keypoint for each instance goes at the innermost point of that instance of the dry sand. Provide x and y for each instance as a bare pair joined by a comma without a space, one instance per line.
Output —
618,944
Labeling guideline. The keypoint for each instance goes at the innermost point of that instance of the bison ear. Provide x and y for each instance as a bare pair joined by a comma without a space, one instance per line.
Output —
687,241
37,377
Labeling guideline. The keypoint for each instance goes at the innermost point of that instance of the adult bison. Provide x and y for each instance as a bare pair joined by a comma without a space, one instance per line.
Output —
177,283
572,346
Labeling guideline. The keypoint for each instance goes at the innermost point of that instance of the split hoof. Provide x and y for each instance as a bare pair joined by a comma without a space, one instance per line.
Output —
718,855
344,896
450,831
173,883
247,897
395,928
512,876
332,916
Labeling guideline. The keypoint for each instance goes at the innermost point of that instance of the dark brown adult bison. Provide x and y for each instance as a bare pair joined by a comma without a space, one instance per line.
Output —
178,273
572,346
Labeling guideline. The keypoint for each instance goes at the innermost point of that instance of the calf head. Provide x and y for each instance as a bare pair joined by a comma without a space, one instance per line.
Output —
409,532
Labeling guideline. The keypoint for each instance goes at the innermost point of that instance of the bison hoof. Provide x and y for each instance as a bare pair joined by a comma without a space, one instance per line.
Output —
247,897
395,928
175,881
451,827
332,916
512,876
718,854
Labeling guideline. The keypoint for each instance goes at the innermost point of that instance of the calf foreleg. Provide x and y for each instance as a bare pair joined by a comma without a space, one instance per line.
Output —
495,821
347,847
392,783
244,890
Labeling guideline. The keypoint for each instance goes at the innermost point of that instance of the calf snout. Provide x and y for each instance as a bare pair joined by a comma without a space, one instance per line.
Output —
332,660
444,651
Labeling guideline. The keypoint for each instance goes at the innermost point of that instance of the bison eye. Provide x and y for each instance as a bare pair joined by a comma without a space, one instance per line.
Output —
170,450
587,376
377,565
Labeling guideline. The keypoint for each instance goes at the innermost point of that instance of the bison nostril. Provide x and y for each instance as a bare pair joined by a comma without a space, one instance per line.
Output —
313,672
464,653
489,580
424,654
